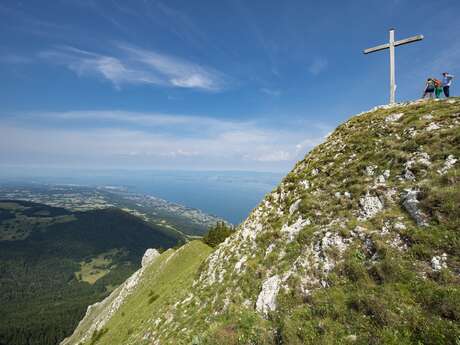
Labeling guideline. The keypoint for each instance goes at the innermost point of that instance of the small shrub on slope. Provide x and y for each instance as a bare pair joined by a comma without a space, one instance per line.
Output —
217,234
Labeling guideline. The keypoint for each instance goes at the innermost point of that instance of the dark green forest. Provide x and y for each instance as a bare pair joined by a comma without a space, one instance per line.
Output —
54,263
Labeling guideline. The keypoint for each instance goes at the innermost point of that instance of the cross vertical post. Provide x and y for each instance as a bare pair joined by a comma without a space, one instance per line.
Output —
392,66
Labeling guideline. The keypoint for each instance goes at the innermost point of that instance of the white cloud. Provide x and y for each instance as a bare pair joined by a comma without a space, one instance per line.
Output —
108,138
178,72
85,63
318,65
137,66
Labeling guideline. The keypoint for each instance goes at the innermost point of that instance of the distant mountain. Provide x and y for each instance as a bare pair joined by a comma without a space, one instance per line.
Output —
359,244
55,262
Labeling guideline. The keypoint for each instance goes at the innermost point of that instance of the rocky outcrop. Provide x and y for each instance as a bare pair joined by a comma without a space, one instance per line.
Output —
394,117
149,255
293,230
410,203
266,301
370,206
439,262
448,164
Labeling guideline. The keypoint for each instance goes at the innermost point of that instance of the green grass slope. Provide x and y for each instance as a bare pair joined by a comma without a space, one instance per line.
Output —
54,263
359,244
168,279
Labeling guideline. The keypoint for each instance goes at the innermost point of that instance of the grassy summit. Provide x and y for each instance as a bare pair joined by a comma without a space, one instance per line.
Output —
359,244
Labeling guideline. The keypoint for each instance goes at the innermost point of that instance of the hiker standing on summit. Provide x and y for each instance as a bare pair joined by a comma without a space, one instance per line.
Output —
437,88
429,88
446,83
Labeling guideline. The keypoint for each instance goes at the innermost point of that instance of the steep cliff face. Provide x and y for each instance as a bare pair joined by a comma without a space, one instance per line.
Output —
358,244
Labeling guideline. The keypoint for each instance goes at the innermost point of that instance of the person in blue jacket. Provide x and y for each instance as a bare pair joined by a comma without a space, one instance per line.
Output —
446,83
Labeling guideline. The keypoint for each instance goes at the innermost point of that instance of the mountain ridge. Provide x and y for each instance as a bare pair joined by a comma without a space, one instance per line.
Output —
358,244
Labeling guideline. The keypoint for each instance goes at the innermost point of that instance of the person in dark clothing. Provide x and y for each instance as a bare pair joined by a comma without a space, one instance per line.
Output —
446,83
429,88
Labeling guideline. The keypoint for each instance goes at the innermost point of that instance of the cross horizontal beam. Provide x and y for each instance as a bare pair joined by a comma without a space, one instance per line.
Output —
397,43
376,49
409,40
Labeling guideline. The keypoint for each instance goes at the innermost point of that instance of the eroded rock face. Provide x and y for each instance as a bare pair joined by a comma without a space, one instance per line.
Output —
266,301
409,175
370,206
432,127
305,184
423,158
410,203
323,261
149,255
439,262
448,164
292,230
382,179
394,117
295,206
370,170
240,263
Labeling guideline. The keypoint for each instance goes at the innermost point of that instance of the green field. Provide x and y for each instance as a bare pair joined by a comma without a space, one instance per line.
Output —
92,269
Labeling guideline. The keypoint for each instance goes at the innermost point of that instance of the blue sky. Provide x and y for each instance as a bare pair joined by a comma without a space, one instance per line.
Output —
207,85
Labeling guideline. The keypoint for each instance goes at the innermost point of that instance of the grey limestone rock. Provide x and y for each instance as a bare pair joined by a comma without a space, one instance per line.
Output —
394,117
449,163
439,262
149,255
370,206
410,203
266,301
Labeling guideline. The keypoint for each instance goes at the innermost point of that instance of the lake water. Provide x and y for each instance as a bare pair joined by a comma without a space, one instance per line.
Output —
230,195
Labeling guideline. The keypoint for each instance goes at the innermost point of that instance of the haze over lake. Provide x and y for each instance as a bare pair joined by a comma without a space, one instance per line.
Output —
227,194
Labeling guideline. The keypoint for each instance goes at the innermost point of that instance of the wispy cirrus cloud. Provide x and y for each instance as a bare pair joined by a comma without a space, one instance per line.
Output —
85,63
133,65
177,71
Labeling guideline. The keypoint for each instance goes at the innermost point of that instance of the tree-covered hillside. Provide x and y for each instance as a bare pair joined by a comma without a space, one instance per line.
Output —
54,263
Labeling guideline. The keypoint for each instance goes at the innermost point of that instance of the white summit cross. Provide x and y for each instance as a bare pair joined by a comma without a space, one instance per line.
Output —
391,45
